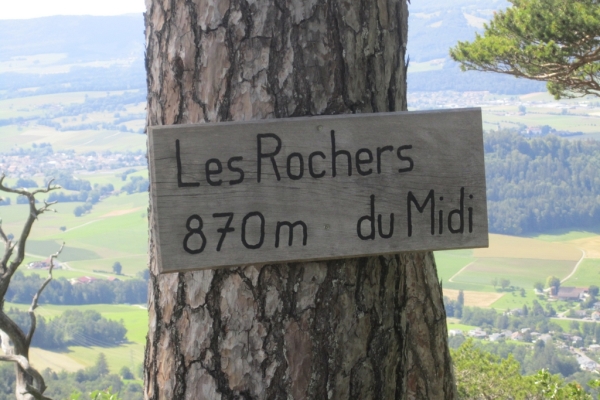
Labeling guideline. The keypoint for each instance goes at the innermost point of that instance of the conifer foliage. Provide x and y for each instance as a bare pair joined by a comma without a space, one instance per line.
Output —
540,184
555,41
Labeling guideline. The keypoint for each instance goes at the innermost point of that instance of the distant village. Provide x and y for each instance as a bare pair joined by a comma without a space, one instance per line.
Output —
39,160
561,340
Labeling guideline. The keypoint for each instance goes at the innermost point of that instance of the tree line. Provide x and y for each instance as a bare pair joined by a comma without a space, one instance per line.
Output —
61,291
77,385
539,184
71,328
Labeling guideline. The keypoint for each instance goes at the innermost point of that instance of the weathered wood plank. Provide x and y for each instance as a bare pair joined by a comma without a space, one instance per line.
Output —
230,193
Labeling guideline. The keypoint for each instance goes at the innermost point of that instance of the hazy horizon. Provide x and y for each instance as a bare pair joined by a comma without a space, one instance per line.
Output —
47,8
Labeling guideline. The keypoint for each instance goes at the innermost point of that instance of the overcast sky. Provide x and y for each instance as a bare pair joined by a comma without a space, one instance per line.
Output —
20,9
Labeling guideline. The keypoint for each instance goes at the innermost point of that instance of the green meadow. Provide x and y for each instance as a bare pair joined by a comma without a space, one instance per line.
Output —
115,230
130,354
565,324
587,274
453,323
450,262
512,300
27,133
82,141
564,235
520,272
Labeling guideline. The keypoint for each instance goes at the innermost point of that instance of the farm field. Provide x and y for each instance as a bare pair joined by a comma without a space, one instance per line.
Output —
81,141
588,271
525,248
475,299
591,246
24,134
130,354
510,118
523,261
541,109
115,230
561,236
37,106
521,272
512,300
451,262
453,323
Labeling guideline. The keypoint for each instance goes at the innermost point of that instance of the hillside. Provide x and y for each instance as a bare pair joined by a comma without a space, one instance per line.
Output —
541,184
70,54
82,53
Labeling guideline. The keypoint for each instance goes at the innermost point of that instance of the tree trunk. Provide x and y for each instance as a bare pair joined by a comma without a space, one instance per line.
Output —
363,328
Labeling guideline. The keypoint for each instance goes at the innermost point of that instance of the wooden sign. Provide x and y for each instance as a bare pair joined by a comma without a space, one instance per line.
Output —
316,188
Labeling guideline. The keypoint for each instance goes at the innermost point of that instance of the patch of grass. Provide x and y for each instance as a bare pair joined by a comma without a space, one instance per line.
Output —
468,286
521,272
587,274
131,266
512,300
564,235
11,135
46,247
464,328
115,230
106,231
519,247
92,140
42,359
474,299
34,105
450,262
104,177
535,116
126,355
131,354
134,317
565,324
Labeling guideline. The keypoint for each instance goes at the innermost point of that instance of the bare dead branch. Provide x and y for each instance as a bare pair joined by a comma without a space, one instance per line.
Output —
34,302
8,249
33,214
23,363
22,342
14,332
35,393
47,189
2,234
46,207
25,192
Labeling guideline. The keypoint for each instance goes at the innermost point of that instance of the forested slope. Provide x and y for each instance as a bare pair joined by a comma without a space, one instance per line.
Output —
539,184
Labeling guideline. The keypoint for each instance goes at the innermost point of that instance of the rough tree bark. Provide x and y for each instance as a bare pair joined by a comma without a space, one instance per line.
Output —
345,329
